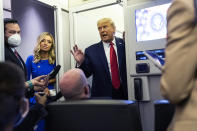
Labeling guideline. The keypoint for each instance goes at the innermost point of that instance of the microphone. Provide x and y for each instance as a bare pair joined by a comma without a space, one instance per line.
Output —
54,72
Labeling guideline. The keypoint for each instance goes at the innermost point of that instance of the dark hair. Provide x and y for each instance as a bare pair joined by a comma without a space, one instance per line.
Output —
9,20
12,89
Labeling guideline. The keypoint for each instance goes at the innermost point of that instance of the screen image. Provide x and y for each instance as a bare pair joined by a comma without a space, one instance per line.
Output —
157,60
141,56
151,22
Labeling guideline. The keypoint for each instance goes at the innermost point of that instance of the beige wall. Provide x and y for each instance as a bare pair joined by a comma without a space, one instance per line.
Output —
58,3
73,3
131,2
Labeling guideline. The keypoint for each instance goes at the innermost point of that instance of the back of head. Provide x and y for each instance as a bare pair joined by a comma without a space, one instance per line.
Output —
73,84
11,91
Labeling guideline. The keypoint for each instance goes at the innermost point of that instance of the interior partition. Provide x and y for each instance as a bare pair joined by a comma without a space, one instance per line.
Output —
34,18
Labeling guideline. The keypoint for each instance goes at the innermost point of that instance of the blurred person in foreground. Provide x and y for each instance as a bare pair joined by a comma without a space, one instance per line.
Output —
179,75
13,104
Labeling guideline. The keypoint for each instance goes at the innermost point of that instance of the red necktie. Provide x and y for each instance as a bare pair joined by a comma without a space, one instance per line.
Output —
114,67
16,53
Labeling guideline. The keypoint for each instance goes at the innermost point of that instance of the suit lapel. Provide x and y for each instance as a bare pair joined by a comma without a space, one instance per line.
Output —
103,58
119,46
19,60
13,56
22,62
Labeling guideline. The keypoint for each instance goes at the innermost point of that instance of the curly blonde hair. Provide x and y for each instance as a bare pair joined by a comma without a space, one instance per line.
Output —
37,56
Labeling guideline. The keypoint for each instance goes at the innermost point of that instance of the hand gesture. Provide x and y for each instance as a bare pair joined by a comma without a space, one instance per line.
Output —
40,82
46,91
78,55
41,99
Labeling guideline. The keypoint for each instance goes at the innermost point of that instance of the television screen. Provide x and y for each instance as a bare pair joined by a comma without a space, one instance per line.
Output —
151,22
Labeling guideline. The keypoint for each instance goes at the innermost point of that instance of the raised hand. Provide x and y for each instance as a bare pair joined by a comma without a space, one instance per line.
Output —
78,55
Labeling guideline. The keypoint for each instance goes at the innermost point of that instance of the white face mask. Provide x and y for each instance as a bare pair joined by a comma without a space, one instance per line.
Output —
14,40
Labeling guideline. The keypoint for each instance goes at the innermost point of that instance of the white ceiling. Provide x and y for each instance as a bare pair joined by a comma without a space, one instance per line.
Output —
7,4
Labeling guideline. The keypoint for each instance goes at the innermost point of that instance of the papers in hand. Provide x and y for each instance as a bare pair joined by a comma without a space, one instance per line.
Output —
157,61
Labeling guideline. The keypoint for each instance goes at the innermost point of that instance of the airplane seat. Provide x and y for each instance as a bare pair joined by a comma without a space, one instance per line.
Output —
164,112
93,115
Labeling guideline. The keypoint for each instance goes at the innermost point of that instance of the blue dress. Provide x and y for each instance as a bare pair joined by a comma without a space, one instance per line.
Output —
37,69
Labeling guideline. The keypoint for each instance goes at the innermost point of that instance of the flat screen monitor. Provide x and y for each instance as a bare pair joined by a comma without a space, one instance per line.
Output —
151,22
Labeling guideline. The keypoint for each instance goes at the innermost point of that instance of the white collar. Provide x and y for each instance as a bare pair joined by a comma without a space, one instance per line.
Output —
108,44
13,49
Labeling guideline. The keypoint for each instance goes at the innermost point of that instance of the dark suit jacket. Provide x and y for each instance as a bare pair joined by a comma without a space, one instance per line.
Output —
10,56
95,64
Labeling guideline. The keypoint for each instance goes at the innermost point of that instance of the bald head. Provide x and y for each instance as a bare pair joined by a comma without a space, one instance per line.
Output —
74,85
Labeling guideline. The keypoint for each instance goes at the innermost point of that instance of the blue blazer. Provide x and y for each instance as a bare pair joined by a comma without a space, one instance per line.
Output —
95,64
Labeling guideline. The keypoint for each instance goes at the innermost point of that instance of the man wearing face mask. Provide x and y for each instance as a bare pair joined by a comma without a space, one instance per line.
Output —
13,40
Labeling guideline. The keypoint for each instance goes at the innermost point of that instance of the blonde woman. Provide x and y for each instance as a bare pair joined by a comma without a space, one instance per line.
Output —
43,60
